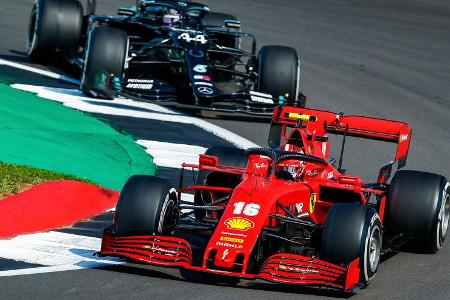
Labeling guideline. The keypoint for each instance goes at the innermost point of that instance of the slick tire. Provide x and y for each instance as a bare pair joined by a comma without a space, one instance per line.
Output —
54,25
106,52
228,156
279,72
418,206
353,231
147,205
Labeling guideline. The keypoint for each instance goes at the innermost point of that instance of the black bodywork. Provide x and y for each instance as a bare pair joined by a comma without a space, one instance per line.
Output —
190,63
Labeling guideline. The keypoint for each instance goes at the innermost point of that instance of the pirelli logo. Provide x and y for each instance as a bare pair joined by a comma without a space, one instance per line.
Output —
231,239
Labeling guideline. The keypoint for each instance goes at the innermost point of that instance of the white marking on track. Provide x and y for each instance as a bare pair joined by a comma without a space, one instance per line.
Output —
172,155
130,108
57,251
39,71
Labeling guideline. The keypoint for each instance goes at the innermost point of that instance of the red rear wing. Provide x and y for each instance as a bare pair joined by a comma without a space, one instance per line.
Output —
337,123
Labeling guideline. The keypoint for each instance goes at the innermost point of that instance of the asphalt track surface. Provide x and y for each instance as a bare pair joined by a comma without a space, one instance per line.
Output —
387,59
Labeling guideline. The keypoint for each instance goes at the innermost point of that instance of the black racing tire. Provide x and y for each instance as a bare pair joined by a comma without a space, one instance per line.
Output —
147,205
352,231
228,156
418,207
279,72
106,51
54,25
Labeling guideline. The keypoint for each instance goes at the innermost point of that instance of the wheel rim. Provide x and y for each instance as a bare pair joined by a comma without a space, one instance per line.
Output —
374,249
169,215
444,216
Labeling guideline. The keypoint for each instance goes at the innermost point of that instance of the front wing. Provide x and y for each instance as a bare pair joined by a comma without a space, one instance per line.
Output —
280,268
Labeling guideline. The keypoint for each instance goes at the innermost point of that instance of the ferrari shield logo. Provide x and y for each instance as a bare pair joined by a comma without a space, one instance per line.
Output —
312,202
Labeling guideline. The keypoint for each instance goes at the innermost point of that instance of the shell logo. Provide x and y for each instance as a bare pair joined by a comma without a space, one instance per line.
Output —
239,223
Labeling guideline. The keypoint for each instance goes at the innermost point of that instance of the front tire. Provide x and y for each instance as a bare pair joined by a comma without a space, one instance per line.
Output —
54,25
228,156
352,231
418,207
279,72
147,205
106,51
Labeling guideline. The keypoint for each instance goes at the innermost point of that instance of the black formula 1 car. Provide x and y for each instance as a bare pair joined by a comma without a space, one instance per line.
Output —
169,52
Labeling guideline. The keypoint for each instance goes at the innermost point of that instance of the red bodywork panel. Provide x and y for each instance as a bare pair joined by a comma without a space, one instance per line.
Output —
254,204
357,126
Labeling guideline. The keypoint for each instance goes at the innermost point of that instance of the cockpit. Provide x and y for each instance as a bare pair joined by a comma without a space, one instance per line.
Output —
171,13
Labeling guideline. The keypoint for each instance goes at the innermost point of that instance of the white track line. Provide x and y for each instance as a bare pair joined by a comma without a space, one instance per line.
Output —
172,155
57,251
130,108
214,129
39,71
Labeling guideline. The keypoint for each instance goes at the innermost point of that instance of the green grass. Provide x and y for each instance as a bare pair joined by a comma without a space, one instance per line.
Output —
15,178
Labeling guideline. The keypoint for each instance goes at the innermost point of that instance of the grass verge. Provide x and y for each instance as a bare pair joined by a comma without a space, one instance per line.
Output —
16,178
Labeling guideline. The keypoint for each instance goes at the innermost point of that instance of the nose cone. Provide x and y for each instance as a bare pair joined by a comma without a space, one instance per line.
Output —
244,218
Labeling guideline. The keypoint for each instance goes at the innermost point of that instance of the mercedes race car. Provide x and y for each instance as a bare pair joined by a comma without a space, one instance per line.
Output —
287,214
169,52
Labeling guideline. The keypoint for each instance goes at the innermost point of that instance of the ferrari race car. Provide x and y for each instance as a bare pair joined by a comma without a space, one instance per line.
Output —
169,52
286,214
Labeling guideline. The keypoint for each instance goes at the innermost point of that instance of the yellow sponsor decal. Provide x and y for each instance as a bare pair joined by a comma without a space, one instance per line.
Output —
239,223
312,202
230,239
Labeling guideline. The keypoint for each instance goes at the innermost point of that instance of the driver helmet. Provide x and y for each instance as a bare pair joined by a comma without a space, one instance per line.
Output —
171,18
294,167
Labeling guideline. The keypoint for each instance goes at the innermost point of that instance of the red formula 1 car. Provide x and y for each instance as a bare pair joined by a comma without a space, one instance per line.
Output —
284,214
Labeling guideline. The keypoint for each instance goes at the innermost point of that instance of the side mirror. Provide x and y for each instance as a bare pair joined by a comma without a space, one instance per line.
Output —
208,160
385,172
125,11
275,132
236,24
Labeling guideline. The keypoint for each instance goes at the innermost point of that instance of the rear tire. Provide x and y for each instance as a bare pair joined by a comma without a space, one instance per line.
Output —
353,231
279,72
54,25
418,207
147,205
106,51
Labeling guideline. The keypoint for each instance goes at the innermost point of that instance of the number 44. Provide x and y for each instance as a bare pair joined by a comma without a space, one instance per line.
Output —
250,209
198,38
